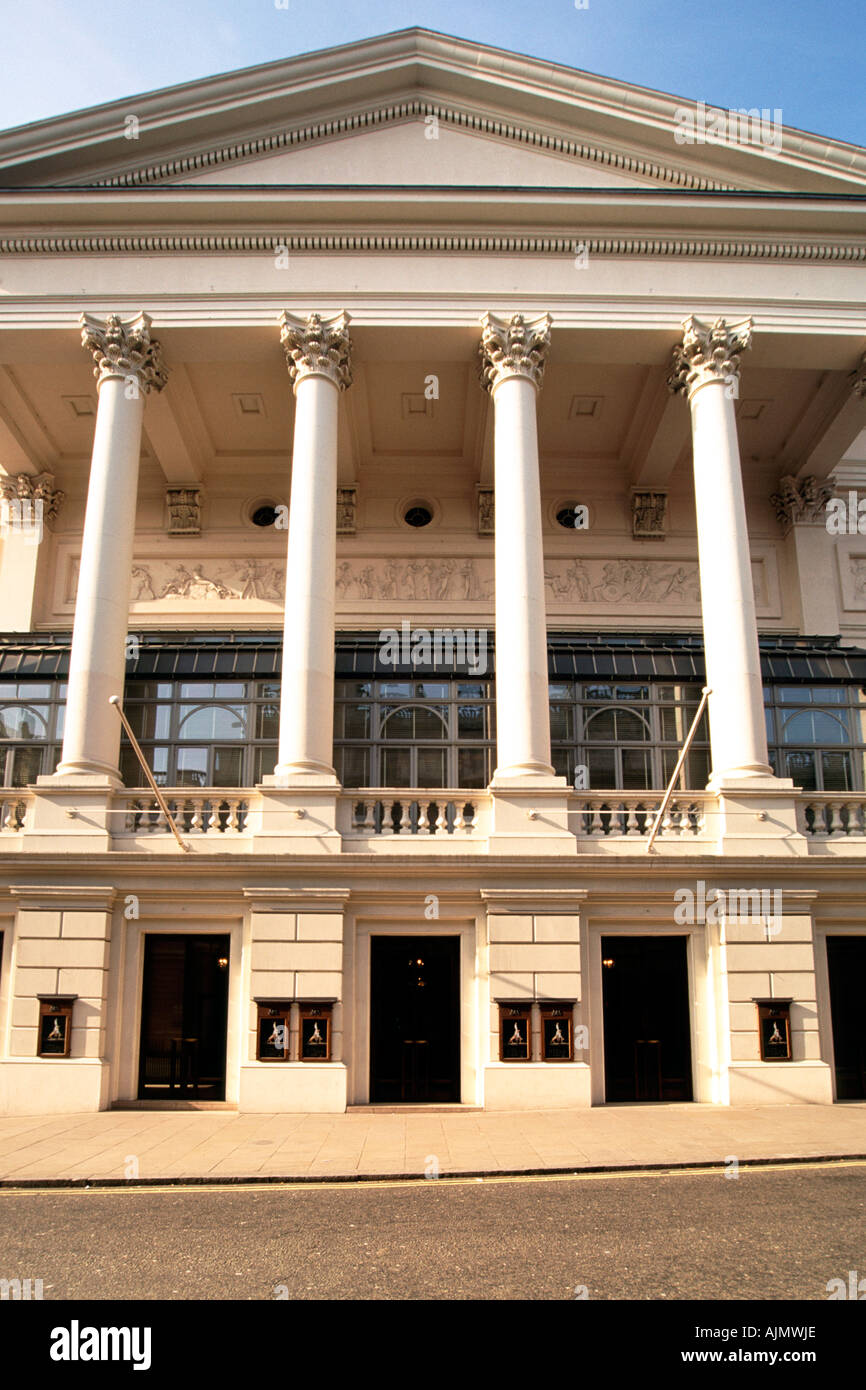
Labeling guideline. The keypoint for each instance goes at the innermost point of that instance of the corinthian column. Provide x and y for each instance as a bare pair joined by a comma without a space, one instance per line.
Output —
318,356
706,367
513,355
127,366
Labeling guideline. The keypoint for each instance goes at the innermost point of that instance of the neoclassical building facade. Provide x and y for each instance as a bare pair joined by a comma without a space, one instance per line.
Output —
432,594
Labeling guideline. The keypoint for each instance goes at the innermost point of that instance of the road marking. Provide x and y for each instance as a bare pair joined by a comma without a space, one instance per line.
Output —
353,1184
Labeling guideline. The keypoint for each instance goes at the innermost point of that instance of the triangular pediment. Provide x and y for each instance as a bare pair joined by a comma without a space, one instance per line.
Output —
416,109
419,151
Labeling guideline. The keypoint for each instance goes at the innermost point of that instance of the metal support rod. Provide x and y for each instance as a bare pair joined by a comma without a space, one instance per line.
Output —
163,805
676,772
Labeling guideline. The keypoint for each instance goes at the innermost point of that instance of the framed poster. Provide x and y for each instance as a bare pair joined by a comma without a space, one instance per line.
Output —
774,1029
557,1036
55,1025
315,1032
515,1032
273,1031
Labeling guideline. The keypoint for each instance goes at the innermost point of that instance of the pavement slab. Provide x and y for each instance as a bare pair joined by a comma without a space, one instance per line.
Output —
213,1144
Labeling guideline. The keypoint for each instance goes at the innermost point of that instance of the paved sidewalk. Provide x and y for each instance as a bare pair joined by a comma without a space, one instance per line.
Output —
222,1145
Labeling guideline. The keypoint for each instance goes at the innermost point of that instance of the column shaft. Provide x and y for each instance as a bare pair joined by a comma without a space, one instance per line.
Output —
513,354
318,357
127,367
707,367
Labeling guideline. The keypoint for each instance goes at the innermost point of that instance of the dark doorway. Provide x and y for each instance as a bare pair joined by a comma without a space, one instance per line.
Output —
846,965
184,1014
415,1018
645,990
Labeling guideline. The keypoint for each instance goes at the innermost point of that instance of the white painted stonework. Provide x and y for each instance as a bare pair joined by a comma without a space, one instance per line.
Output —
417,275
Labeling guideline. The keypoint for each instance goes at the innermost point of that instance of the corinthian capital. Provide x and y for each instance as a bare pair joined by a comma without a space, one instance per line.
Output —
124,348
27,487
513,347
317,347
708,352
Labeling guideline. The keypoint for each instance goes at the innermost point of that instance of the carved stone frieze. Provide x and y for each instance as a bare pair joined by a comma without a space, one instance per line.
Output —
317,346
513,347
124,348
708,352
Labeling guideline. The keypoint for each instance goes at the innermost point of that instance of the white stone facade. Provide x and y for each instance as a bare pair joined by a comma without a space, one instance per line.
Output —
260,383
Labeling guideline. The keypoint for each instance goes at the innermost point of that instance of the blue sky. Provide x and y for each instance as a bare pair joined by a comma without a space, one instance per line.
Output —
803,56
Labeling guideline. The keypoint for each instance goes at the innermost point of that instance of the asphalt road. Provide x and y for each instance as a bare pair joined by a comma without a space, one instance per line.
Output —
764,1235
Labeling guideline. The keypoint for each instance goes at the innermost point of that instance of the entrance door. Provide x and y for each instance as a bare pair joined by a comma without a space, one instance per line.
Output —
647,1046
184,1016
415,1018
846,965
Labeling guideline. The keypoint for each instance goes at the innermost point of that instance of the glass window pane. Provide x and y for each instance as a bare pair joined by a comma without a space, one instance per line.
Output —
698,765
352,766
26,765
636,769
265,762
601,725
430,722
29,690
471,721
397,723
433,690
396,690
801,766
395,767
197,690
192,767
354,690
268,720
212,722
479,691
270,690
24,721
149,721
829,695
632,692
836,769
631,727
432,767
602,767
560,722
227,767
563,763
560,690
356,721
813,726
472,767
